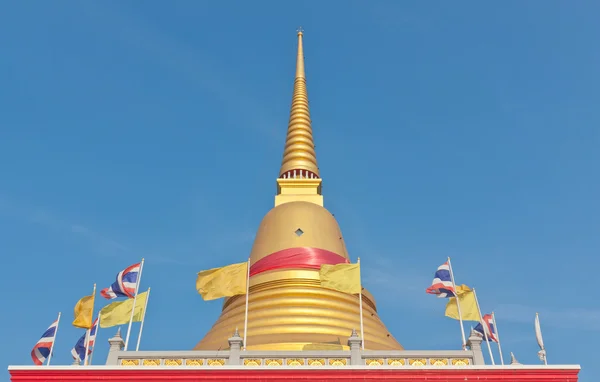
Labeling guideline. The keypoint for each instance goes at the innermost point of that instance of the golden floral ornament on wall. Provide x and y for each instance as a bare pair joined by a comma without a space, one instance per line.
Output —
130,362
173,362
417,362
395,362
194,362
316,362
294,362
216,362
151,362
374,362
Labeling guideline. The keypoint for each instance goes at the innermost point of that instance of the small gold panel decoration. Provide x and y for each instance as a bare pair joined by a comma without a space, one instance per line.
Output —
460,362
273,362
337,362
194,362
216,362
130,362
316,362
374,362
395,362
438,362
252,361
151,362
173,362
294,362
417,362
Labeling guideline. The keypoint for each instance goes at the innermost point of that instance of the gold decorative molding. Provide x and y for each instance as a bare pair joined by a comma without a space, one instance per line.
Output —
460,362
151,362
274,362
130,362
395,362
216,362
316,362
374,361
173,362
438,362
252,361
417,362
338,362
194,362
294,362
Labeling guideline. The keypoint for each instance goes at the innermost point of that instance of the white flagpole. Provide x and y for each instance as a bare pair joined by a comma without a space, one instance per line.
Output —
52,346
87,333
94,348
485,328
497,337
137,347
137,287
360,307
540,340
247,297
462,328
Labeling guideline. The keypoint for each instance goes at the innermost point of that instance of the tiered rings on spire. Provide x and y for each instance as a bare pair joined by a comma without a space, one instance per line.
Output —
299,157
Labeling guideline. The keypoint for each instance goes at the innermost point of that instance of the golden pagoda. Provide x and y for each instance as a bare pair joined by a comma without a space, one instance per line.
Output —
288,309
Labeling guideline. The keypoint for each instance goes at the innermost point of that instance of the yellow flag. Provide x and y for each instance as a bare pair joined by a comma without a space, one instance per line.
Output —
342,277
223,282
468,305
119,313
84,310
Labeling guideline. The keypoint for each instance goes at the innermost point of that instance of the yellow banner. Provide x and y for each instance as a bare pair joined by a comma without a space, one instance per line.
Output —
468,305
84,311
223,282
119,313
342,277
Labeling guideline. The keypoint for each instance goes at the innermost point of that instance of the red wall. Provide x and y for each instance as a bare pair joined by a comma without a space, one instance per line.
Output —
80,374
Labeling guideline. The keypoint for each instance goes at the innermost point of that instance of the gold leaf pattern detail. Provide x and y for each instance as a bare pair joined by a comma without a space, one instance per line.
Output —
252,362
316,362
460,362
194,362
130,362
295,362
374,361
173,362
273,362
216,362
151,362
337,362
395,362
417,362
438,362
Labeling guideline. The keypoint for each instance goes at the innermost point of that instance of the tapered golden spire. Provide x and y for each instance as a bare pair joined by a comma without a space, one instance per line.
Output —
299,157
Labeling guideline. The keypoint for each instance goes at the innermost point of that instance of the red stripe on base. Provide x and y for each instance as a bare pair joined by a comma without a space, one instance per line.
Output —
300,257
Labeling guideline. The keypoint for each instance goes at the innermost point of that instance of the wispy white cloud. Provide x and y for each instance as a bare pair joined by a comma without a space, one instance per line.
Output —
100,244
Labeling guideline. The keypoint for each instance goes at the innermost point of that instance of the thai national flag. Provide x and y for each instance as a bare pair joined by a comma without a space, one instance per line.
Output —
42,348
78,351
442,284
125,284
490,328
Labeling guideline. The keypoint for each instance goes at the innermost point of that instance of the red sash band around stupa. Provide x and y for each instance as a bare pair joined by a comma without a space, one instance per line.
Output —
300,257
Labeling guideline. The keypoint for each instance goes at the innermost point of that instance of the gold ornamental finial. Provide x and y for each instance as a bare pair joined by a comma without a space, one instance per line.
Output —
299,157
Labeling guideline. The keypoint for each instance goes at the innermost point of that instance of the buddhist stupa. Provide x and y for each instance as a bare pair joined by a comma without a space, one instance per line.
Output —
288,309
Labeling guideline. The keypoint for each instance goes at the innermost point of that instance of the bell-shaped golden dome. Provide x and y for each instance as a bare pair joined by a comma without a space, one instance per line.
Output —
288,309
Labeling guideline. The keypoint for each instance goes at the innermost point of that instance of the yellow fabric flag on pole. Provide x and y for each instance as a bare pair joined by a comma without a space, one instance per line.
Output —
342,277
84,311
119,313
226,281
468,305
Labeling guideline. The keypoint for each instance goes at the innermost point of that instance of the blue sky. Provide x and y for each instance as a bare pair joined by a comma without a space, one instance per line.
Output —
156,131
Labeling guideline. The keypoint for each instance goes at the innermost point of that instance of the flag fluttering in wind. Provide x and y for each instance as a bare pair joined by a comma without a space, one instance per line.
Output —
488,328
226,281
468,305
540,340
342,277
43,348
442,284
125,285
84,311
78,351
119,312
